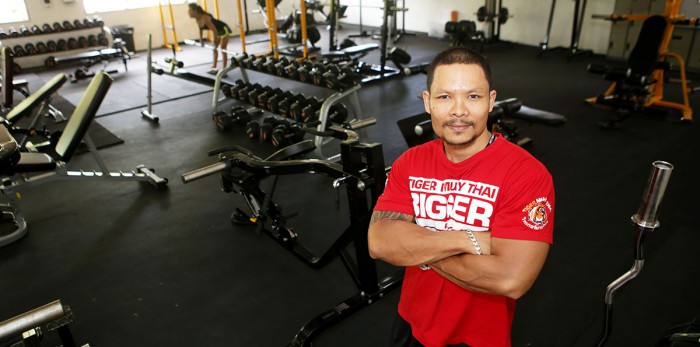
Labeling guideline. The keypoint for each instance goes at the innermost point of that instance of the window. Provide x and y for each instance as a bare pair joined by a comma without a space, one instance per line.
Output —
97,6
13,11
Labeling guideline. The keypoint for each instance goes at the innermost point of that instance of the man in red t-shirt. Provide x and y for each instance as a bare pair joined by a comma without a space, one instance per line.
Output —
470,216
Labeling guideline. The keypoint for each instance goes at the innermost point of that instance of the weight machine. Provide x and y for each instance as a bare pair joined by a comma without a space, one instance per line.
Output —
363,174
640,85
573,50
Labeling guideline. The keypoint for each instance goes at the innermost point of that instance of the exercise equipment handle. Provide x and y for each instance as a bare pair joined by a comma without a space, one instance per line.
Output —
31,319
648,211
205,171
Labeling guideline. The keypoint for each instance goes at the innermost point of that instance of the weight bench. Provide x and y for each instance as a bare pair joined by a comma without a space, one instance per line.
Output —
20,170
41,98
351,53
639,86
104,56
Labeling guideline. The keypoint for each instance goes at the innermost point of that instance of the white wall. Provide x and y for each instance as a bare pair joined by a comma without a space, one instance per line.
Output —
145,20
527,26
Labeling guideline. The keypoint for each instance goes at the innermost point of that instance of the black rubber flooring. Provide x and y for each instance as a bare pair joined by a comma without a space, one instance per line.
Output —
166,268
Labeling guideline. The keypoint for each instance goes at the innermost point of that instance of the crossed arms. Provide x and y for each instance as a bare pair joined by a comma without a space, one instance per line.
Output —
506,267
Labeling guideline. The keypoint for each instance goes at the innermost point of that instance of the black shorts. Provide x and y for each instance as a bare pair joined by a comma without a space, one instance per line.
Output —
402,336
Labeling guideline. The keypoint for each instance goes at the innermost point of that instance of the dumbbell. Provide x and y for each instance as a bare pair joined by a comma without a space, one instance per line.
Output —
226,89
253,97
291,70
274,101
82,42
68,26
24,31
247,62
259,64
98,21
30,49
46,28
344,79
236,60
3,34
269,65
89,23
295,110
310,111
41,48
78,24
238,85
102,40
51,46
317,74
18,50
281,64
284,106
61,45
241,116
243,92
264,97
12,32
36,30
168,60
286,134
92,41
268,125
304,71
57,27
337,114
72,43
252,130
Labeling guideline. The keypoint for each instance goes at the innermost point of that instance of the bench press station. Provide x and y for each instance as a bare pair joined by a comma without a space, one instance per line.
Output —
363,173
21,170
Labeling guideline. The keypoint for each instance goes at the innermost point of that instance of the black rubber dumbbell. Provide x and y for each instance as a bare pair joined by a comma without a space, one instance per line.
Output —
243,92
30,49
92,41
226,90
61,45
102,40
284,135
284,107
18,50
264,97
310,111
317,74
73,43
259,64
248,62
332,72
268,125
41,48
304,71
57,27
46,28
36,30
24,31
237,86
3,34
269,65
240,115
12,32
252,130
236,60
78,24
51,46
281,64
344,79
83,42
337,114
89,23
295,110
291,71
274,101
221,120
68,26
253,97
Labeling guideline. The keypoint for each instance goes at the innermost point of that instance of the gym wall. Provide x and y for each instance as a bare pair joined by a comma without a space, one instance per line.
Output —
145,20
527,25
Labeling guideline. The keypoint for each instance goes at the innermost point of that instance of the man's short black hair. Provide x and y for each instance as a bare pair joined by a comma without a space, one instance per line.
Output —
459,55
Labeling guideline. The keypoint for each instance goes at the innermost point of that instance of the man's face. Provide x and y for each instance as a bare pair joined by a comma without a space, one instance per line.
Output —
459,102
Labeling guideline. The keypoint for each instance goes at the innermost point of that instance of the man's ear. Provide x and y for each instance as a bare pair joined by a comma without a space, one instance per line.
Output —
492,99
426,101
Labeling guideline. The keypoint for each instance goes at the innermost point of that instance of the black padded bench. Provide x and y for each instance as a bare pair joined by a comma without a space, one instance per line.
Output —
350,53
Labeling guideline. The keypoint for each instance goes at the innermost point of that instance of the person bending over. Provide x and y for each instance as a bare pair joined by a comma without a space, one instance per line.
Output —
470,216
220,30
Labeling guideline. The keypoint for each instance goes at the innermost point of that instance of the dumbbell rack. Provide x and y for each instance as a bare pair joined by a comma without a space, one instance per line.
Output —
350,93
39,59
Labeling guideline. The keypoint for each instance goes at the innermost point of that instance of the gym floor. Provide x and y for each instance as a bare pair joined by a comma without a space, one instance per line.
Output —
140,266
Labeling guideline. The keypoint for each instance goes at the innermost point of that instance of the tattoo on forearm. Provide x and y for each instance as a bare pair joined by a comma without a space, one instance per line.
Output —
379,215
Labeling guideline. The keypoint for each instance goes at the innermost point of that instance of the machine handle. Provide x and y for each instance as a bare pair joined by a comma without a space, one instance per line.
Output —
204,172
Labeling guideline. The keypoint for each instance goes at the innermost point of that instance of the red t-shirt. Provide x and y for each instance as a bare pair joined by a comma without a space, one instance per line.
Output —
502,189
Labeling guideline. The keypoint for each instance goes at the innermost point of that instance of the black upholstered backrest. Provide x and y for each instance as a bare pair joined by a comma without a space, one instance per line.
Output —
645,54
83,115
25,107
